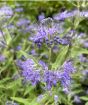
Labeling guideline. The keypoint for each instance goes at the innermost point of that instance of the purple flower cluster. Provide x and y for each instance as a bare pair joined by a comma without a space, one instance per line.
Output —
70,14
65,75
50,78
6,11
18,8
29,72
22,22
48,32
83,59
32,74
41,16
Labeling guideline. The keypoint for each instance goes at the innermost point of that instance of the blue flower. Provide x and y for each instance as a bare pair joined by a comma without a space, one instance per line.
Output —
29,72
2,58
6,11
50,78
41,16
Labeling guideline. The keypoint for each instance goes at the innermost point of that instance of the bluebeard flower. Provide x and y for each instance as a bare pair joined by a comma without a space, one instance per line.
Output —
6,11
44,33
83,59
19,9
43,64
29,72
84,14
64,15
50,78
33,52
55,49
41,16
23,22
85,73
77,99
68,67
65,77
2,58
85,44
65,81
56,98
1,34
19,47
10,27
40,97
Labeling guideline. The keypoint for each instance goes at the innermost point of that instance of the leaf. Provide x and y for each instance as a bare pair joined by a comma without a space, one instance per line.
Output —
2,87
21,52
86,103
4,80
15,83
7,65
60,58
28,90
25,101
8,38
21,100
75,51
85,98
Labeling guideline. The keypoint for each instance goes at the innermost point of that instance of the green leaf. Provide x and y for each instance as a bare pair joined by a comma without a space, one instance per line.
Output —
86,103
7,65
28,90
60,57
2,87
15,83
21,52
24,101
21,100
85,98
4,80
8,38
75,51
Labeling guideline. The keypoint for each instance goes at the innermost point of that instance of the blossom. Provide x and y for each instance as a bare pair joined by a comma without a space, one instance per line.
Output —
65,77
2,58
6,11
69,14
43,64
64,15
19,9
22,22
18,47
56,99
50,78
77,99
41,16
68,67
29,72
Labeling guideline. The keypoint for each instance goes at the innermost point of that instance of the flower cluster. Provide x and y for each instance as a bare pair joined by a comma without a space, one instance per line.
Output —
70,14
51,78
65,75
6,12
29,72
48,32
